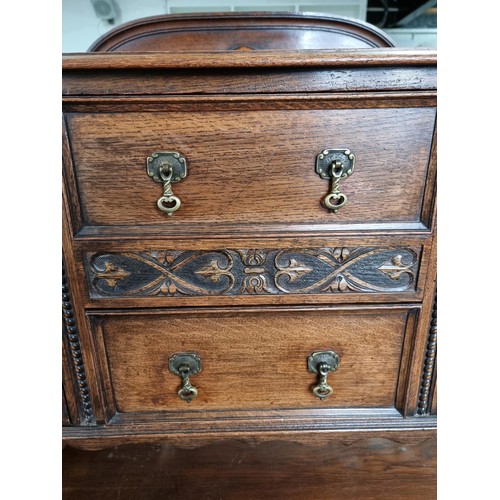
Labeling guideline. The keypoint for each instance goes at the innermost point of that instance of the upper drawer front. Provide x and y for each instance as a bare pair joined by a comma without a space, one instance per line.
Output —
252,168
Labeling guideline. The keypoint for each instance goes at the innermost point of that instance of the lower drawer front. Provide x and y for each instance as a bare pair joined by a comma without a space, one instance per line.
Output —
251,360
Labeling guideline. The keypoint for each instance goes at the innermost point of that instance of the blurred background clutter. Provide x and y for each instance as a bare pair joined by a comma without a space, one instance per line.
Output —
411,23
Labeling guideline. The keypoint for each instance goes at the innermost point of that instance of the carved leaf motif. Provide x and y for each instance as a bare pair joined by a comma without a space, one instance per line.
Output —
163,256
395,268
172,288
164,289
340,254
342,283
112,274
294,270
339,285
212,271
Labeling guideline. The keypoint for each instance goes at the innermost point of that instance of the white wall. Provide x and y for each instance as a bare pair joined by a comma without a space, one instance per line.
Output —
414,37
81,26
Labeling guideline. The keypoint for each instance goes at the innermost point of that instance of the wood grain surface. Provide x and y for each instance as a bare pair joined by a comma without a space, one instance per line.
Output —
258,59
250,360
250,125
70,410
241,31
248,80
249,102
252,166
245,38
399,466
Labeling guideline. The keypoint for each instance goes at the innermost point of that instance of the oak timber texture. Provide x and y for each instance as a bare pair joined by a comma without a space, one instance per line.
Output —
256,73
251,360
425,399
253,80
232,156
70,410
434,392
65,410
241,31
250,124
397,466
73,356
404,58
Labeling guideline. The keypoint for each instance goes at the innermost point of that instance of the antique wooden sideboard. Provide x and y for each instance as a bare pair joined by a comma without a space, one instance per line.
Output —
250,250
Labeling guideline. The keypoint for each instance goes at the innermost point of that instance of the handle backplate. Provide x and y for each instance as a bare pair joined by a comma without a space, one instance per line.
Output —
167,167
323,363
178,361
185,364
157,161
335,164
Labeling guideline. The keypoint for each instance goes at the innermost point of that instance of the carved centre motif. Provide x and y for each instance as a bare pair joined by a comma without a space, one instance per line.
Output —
243,272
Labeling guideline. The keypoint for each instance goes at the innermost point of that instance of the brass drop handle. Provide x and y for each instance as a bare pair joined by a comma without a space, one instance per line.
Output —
323,363
168,198
335,199
323,390
185,364
335,164
167,167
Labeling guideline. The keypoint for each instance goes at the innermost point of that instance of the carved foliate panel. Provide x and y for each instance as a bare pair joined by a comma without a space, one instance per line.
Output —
250,271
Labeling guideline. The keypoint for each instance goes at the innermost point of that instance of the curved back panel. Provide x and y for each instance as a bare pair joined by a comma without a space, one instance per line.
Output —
241,31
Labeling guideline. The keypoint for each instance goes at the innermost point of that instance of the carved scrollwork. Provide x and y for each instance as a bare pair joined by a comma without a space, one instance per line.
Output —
251,271
162,273
327,270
